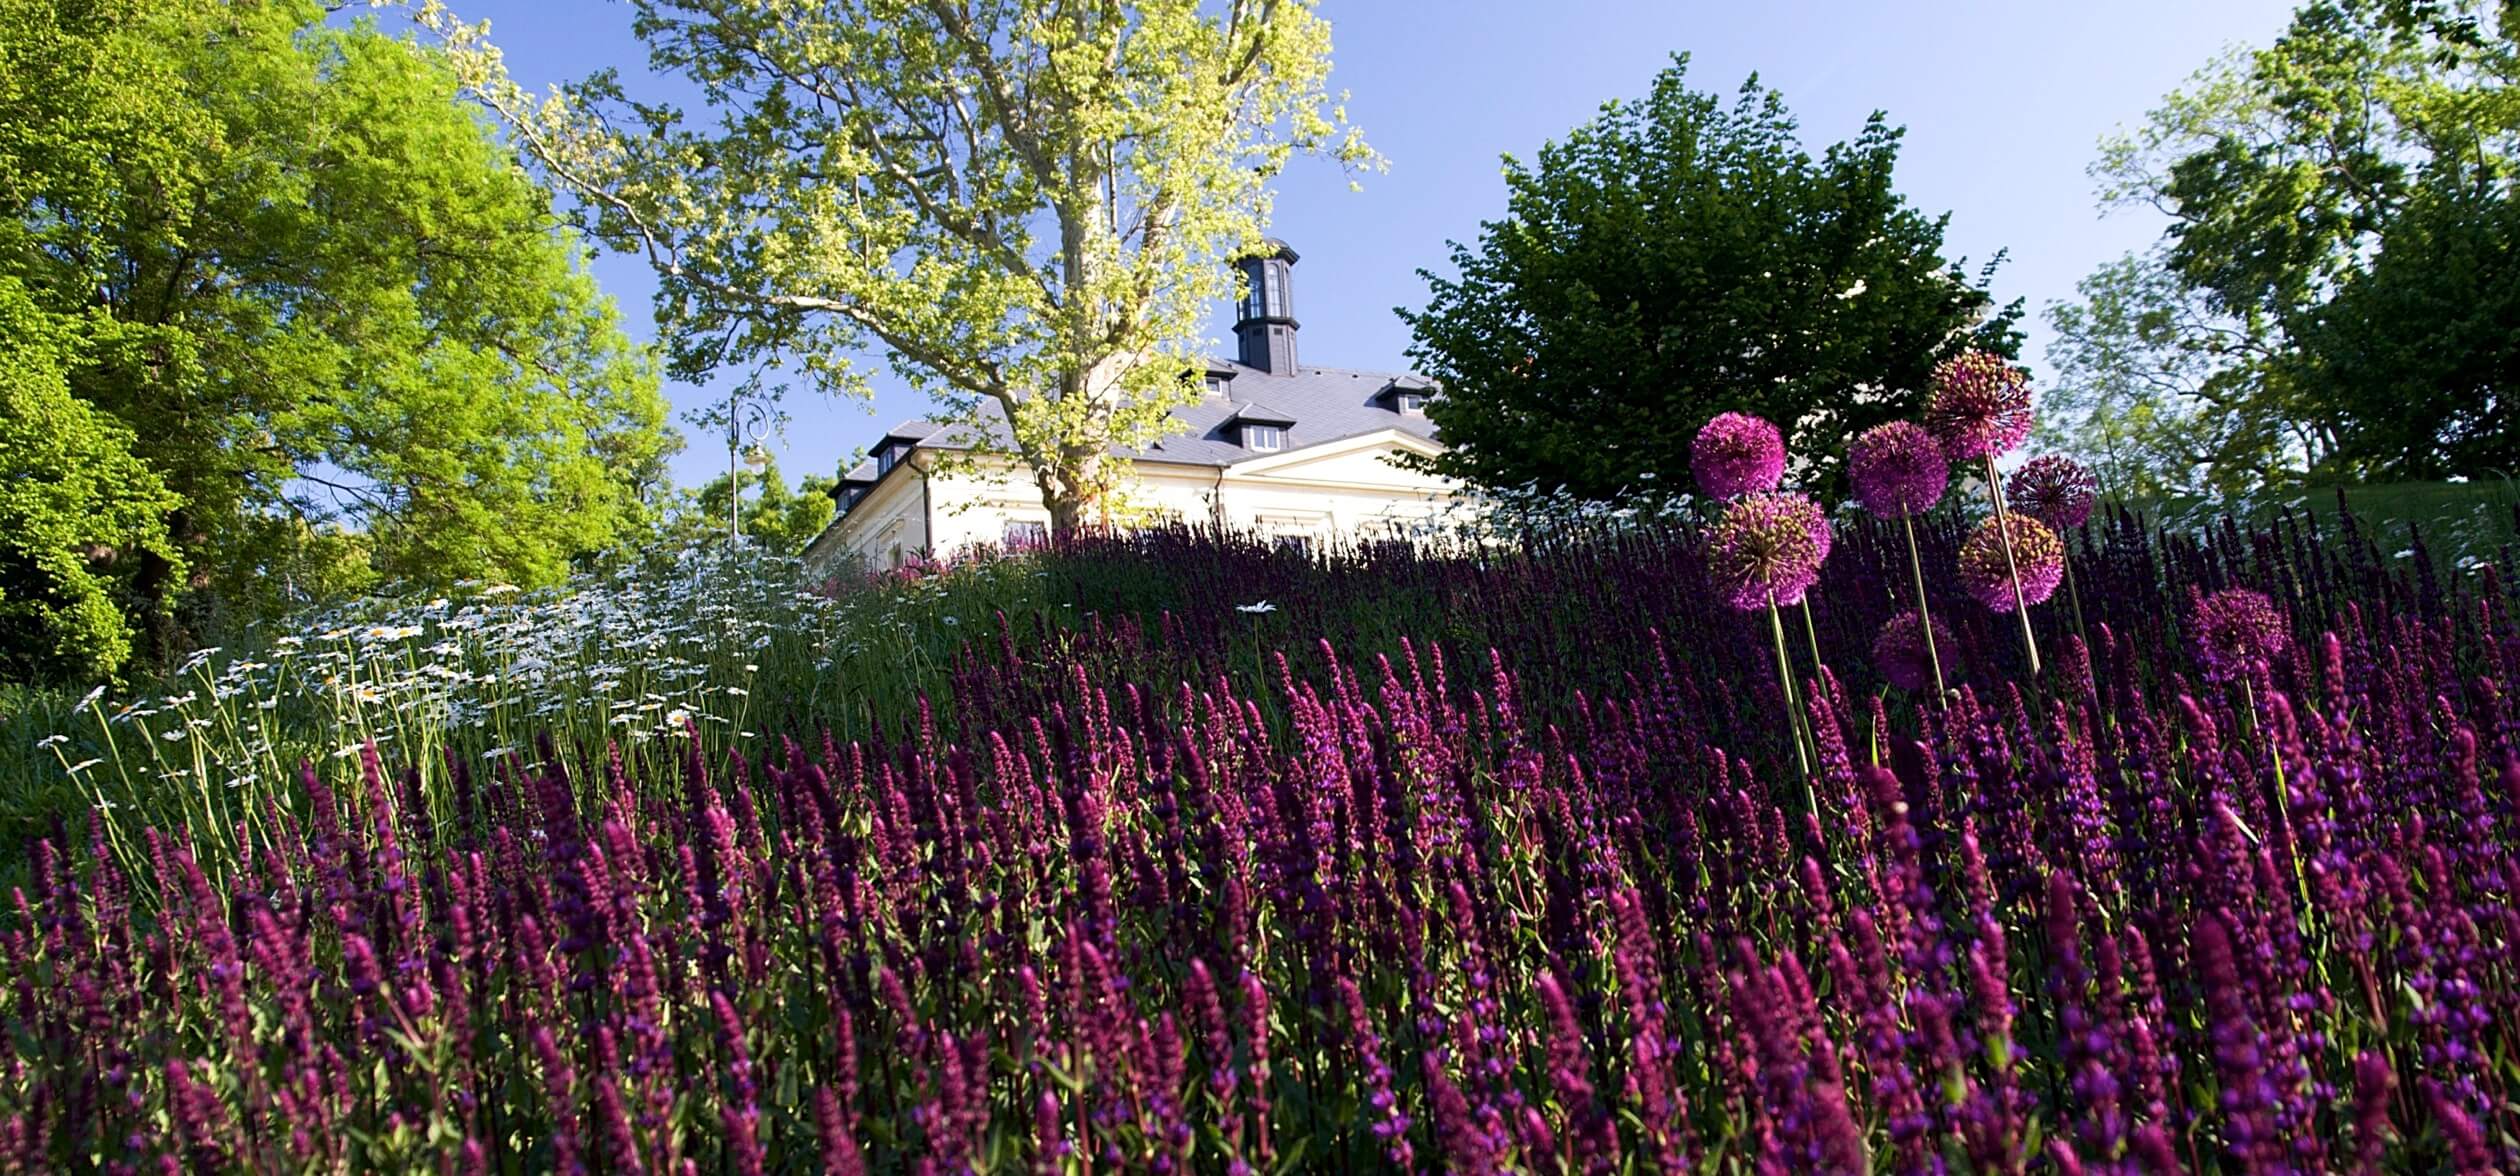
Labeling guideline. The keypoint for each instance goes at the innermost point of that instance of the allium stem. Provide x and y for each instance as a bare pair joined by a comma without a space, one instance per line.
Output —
1811,634
2072,593
1793,705
1924,613
2003,529
2283,799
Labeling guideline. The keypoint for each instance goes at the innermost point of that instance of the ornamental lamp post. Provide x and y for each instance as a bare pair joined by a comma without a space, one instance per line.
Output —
748,424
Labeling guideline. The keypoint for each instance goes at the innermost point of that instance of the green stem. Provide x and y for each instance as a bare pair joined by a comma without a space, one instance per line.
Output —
1793,707
2003,531
2283,799
1812,635
2075,594
1924,614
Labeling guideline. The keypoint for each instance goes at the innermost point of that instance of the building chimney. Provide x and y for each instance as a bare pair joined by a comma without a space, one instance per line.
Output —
1264,322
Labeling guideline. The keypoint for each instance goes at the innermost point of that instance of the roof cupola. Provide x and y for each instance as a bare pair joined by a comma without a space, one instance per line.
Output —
1264,321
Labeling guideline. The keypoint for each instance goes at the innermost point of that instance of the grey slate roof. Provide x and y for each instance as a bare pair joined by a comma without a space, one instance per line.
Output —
1322,404
1253,412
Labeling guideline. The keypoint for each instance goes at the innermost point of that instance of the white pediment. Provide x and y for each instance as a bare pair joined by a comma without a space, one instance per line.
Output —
1364,460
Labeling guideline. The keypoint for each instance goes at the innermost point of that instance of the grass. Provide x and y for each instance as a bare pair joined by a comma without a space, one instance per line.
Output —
2458,521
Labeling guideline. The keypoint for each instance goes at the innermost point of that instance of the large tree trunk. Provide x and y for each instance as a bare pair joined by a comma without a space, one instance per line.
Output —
1071,488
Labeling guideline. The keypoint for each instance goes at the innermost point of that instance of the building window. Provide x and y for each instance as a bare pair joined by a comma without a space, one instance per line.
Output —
1264,438
1410,403
1277,291
1295,544
891,456
896,555
1216,385
1022,534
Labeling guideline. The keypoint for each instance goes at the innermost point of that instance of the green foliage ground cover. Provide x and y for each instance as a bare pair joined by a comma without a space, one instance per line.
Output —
2457,523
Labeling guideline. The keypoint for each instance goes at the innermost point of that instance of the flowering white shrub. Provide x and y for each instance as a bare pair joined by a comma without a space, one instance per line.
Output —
701,643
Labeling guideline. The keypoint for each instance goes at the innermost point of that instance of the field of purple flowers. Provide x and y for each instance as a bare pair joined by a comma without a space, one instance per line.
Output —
1493,860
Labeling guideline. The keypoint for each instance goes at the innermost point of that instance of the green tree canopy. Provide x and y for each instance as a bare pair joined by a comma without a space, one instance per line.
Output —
780,519
315,290
1674,259
2419,356
2326,299
1026,205
77,510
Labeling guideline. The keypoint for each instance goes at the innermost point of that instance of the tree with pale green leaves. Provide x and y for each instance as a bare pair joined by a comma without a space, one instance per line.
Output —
77,511
315,300
2333,296
1026,206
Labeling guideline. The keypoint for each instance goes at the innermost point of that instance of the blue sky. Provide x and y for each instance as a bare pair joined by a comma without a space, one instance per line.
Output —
2004,103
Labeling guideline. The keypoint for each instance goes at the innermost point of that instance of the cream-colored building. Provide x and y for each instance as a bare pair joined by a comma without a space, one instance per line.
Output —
1273,446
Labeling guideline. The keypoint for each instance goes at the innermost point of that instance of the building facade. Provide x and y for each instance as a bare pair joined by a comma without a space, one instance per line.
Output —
1272,445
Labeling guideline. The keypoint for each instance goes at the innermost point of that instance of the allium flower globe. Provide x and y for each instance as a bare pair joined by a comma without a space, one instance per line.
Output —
2055,490
1765,550
2237,630
1900,654
2038,558
1980,406
1898,469
1737,454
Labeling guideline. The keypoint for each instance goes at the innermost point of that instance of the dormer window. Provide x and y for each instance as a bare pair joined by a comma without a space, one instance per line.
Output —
1410,403
890,455
1216,386
1264,438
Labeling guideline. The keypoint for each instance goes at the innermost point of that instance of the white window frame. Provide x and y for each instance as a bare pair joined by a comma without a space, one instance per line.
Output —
1264,438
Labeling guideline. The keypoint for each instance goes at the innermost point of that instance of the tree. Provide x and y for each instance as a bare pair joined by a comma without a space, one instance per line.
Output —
780,519
1674,259
2420,356
2160,393
76,511
2349,169
316,291
1027,205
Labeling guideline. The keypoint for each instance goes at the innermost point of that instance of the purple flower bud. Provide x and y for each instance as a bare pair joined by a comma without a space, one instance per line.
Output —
1737,454
2037,559
1980,406
2237,631
2373,1083
840,1156
1900,653
2055,490
1898,469
1765,550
